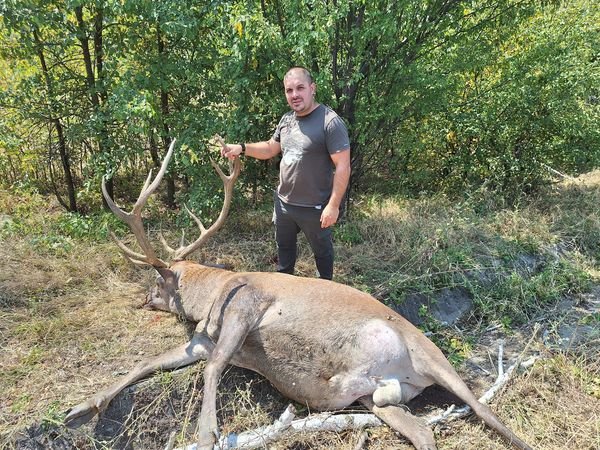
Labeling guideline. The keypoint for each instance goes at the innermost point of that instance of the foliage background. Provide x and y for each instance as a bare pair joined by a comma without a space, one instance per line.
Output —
439,96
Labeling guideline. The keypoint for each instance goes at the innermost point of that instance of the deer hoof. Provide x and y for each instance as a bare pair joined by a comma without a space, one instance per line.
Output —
207,442
80,415
205,446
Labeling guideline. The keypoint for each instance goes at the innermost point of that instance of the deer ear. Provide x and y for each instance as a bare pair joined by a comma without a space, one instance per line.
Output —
167,274
219,266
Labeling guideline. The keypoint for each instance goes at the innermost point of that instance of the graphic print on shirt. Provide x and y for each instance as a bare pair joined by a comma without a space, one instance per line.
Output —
293,143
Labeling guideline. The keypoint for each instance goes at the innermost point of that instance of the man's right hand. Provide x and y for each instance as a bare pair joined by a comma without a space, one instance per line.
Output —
231,151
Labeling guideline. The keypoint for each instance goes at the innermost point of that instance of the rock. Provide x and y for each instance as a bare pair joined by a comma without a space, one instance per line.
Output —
449,306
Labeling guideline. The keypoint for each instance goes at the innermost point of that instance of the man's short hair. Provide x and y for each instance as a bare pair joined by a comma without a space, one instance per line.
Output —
302,69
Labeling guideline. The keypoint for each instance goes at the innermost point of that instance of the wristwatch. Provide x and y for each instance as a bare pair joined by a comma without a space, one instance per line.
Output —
243,145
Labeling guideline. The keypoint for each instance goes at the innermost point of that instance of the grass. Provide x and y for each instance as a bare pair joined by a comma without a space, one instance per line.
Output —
70,321
513,262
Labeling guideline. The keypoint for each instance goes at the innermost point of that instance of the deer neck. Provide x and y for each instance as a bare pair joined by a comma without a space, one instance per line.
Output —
198,288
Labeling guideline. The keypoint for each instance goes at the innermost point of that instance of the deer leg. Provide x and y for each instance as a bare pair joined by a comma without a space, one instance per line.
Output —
233,331
417,432
198,348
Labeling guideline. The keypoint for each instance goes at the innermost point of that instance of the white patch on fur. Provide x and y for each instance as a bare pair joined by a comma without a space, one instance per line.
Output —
388,392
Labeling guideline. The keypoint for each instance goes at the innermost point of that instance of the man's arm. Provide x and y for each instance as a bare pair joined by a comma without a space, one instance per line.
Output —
341,161
258,150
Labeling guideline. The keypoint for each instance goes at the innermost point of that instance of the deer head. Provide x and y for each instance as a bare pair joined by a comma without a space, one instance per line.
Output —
164,294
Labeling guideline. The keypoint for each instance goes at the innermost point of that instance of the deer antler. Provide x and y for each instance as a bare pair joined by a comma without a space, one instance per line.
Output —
228,182
134,218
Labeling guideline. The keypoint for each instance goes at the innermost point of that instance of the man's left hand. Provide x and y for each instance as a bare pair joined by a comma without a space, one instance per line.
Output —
329,216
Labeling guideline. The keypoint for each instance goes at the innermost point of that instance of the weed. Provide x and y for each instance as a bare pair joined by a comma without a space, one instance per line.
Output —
33,358
165,379
456,348
347,233
591,319
514,298
26,365
52,244
21,403
53,416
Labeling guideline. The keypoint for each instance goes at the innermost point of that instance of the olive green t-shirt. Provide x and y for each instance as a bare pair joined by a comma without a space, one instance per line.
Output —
306,169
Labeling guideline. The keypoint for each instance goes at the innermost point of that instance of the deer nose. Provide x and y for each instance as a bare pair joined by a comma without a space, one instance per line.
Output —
148,302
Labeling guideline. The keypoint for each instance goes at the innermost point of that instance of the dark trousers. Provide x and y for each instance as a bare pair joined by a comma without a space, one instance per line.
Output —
289,220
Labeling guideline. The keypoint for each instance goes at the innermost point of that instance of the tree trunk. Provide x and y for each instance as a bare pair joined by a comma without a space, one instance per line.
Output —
64,158
62,144
166,132
97,91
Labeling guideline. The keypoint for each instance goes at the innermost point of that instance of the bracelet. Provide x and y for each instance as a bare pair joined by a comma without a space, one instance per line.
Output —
243,145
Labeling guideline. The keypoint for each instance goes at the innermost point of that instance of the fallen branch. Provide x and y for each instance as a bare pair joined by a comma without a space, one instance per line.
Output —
171,441
260,437
453,412
556,172
362,440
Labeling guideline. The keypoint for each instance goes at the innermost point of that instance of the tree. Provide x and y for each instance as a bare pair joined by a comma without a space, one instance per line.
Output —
440,94
369,59
521,107
34,24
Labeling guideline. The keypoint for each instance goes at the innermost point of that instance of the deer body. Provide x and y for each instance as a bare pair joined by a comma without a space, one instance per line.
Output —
313,339
319,343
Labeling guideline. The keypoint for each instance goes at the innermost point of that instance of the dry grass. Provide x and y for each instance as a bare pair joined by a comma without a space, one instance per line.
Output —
70,325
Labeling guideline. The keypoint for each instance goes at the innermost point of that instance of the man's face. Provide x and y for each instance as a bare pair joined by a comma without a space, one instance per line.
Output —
299,92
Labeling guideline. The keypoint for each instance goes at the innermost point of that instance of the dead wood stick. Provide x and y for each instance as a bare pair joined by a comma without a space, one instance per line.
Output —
260,437
556,172
171,441
503,376
362,440
453,412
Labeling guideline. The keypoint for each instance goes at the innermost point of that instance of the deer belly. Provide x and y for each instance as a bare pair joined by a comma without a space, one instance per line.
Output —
328,373
342,390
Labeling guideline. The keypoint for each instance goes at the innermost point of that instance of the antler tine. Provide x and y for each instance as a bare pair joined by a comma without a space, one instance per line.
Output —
148,190
196,219
165,244
111,204
136,258
228,183
134,218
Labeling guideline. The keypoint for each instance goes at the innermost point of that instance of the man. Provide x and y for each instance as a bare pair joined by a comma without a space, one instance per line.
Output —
314,172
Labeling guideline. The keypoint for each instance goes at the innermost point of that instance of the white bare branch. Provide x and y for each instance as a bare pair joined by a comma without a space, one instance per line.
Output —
453,412
285,425
556,172
503,376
